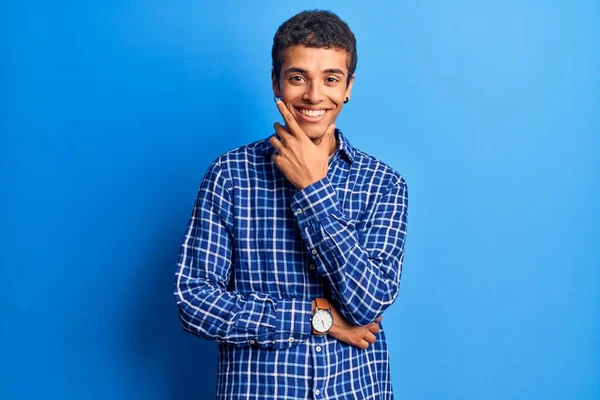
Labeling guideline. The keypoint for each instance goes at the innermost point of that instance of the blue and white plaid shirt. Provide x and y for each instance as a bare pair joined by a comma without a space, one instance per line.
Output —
257,251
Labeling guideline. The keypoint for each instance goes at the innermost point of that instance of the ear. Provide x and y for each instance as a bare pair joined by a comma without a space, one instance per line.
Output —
349,87
276,91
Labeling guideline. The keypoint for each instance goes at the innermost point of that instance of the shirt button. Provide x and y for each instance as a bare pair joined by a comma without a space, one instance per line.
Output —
311,266
314,251
252,342
317,392
318,348
299,211
291,340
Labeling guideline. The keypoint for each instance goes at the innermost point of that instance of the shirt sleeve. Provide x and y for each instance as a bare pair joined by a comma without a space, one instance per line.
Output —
206,308
362,266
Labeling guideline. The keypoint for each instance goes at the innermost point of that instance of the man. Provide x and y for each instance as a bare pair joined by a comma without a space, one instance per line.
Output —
295,244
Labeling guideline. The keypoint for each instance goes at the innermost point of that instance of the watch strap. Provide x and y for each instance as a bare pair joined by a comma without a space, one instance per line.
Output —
321,303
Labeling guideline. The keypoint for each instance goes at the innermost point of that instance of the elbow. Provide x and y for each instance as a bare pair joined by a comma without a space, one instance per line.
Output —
187,324
368,308
192,324
185,320
194,302
188,318
361,317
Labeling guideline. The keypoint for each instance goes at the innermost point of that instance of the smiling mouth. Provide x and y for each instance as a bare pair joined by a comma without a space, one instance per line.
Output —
311,115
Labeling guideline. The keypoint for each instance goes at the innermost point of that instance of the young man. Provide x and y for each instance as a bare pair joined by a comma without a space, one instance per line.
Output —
295,244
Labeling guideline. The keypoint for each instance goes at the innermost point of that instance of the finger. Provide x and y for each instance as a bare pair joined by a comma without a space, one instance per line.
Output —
277,160
379,319
285,136
276,143
374,328
369,337
363,344
289,119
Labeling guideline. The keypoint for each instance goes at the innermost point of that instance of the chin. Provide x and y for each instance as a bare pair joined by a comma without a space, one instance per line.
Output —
314,132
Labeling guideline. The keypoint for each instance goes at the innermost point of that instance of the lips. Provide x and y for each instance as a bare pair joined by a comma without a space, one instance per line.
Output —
311,115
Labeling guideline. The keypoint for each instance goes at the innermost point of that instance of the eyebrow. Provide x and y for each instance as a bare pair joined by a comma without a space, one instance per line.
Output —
303,71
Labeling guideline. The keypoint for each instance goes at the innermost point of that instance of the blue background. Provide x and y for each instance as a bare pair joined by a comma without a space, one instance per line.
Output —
112,110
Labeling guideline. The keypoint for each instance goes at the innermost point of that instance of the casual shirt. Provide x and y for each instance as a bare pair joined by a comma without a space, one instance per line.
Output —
257,251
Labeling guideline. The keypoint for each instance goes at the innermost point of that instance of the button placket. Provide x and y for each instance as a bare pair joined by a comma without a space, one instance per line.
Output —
319,361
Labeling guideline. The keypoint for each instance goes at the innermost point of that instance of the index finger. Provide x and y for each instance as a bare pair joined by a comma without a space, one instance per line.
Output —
289,119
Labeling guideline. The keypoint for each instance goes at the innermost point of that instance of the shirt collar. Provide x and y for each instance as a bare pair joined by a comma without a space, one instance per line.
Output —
344,146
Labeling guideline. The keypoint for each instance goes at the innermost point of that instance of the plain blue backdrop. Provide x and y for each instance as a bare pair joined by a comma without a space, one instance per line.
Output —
112,110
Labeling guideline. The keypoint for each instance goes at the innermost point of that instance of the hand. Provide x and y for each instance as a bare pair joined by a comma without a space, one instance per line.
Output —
301,161
358,336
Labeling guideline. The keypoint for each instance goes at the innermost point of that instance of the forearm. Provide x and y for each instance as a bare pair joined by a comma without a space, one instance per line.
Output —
209,311
362,268
360,289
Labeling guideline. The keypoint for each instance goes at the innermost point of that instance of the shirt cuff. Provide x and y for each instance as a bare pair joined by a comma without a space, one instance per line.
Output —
292,322
315,202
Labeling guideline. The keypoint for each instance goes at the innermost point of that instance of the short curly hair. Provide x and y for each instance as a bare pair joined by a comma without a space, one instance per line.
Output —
317,29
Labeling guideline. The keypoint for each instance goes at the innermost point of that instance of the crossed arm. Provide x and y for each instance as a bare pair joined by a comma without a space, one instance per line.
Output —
362,268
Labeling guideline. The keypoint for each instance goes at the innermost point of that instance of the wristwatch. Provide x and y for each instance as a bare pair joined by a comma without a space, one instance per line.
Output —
322,319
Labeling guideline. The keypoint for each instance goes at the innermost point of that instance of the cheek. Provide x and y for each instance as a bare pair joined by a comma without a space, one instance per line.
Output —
290,92
338,97
338,101
336,112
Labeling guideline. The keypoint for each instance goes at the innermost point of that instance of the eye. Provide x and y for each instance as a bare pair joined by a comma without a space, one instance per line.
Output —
331,79
296,78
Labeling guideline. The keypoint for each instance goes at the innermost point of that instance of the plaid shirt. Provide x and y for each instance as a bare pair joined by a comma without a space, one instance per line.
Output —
257,251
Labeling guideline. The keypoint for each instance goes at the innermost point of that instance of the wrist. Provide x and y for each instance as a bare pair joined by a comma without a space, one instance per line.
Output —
322,319
310,182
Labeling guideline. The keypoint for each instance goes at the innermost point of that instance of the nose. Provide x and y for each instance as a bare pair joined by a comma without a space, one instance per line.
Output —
313,93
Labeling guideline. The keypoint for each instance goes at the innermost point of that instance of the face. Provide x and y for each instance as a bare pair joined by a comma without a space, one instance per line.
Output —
312,84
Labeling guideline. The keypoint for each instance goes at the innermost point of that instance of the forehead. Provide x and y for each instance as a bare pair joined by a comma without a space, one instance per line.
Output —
314,59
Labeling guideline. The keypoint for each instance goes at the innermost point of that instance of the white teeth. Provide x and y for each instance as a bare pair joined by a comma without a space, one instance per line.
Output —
312,113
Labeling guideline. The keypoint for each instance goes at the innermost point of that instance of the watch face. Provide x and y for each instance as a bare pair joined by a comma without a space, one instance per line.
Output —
322,321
